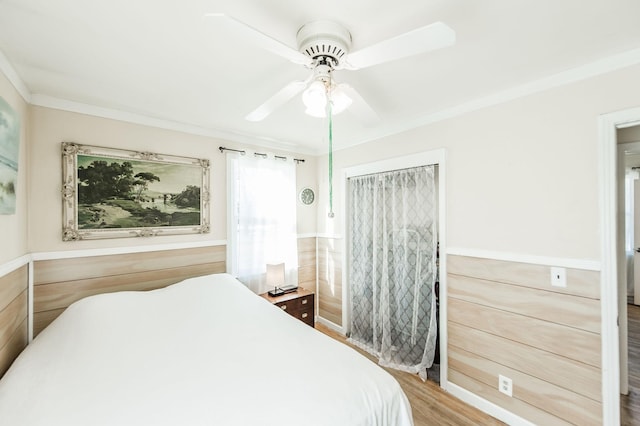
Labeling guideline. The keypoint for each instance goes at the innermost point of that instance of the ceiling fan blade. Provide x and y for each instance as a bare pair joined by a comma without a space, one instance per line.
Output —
277,100
420,40
264,41
359,107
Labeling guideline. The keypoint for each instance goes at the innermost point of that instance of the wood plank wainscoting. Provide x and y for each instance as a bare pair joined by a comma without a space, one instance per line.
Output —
330,279
307,263
14,334
505,318
60,282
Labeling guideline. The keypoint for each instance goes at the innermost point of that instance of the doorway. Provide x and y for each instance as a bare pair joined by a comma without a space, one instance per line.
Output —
628,178
612,301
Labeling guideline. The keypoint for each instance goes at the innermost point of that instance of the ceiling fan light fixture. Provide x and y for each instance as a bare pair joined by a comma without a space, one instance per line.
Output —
339,100
315,99
316,112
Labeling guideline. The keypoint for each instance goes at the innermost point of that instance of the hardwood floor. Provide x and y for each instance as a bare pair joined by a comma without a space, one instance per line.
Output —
630,404
429,403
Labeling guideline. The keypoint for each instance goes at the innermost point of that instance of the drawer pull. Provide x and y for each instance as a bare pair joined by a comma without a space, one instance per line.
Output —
304,301
283,307
304,315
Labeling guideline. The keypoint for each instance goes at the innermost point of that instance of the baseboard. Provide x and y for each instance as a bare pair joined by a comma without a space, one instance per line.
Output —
488,407
333,326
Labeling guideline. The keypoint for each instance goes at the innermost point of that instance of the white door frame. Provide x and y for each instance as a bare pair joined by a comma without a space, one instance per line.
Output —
608,124
434,157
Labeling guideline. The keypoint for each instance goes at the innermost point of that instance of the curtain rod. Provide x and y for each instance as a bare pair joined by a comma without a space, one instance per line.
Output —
257,154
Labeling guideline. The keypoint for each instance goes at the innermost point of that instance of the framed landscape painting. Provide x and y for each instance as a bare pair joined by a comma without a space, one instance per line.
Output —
9,149
115,193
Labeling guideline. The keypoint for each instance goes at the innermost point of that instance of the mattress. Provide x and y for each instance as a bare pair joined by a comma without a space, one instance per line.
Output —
206,351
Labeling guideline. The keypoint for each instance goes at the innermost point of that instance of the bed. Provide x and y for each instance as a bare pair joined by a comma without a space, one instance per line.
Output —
205,351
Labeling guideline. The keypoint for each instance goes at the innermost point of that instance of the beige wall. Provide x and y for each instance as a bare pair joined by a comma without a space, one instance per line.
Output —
522,177
307,177
13,228
50,127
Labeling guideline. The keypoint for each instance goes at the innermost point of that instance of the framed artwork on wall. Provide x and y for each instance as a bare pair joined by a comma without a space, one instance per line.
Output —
116,193
9,150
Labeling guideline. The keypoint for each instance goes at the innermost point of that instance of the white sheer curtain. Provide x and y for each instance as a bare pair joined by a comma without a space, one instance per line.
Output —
392,269
261,218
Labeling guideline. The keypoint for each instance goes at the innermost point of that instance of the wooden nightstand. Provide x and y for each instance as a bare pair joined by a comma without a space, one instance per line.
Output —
298,304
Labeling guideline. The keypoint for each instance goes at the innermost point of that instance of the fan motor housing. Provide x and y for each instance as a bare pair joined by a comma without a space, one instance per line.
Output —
324,40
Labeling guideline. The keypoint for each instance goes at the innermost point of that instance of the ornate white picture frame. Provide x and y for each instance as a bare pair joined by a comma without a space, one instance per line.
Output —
116,193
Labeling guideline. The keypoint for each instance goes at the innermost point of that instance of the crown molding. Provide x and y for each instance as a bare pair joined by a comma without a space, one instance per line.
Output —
145,120
573,75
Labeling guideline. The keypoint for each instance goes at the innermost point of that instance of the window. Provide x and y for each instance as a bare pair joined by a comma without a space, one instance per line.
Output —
261,218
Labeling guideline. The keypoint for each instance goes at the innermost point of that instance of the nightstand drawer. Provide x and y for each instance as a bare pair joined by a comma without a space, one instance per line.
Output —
305,315
303,303
299,304
308,317
295,305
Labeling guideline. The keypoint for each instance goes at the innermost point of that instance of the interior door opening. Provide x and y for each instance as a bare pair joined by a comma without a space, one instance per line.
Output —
610,297
628,261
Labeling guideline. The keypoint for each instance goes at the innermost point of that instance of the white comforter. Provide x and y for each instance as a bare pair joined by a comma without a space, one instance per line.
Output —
205,351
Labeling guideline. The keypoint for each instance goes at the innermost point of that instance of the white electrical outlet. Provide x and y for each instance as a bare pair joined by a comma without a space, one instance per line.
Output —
505,385
558,277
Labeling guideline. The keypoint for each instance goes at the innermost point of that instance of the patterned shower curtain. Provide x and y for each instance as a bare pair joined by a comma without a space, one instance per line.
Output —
392,266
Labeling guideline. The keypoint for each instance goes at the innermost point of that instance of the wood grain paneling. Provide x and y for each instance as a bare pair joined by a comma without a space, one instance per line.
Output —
579,345
579,282
60,295
330,244
504,318
60,270
330,279
58,283
13,316
577,312
491,393
12,284
630,404
307,263
307,244
578,377
43,319
12,348
307,277
543,395
307,258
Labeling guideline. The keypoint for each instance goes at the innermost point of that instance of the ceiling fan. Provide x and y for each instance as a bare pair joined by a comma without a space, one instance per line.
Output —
323,47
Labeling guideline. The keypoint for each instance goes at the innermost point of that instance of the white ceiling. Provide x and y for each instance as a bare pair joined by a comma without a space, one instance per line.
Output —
163,60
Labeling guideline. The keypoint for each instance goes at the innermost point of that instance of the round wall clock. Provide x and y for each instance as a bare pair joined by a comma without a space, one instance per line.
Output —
307,196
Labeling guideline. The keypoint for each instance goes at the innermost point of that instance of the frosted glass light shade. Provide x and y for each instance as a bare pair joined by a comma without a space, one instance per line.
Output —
315,99
275,275
339,100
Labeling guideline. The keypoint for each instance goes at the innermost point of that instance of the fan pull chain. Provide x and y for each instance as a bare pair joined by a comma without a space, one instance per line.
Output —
331,215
